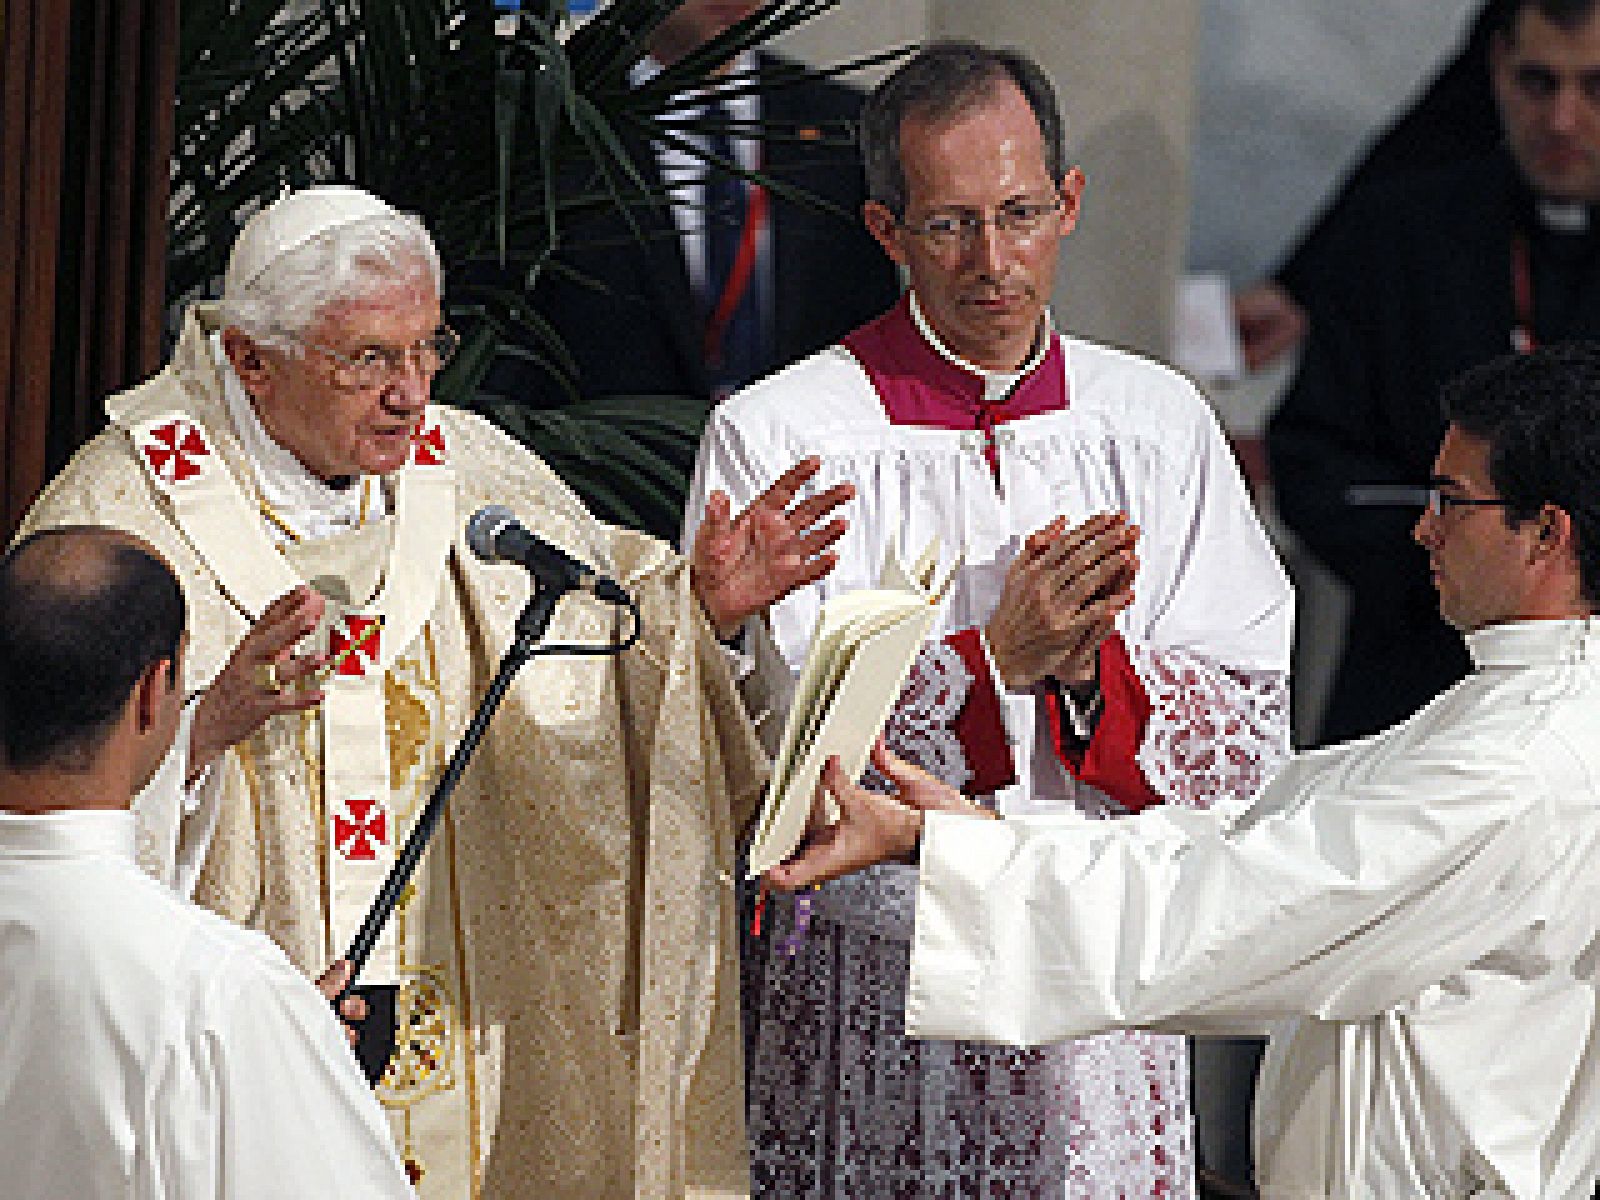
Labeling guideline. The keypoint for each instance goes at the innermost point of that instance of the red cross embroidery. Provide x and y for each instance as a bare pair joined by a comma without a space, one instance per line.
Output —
174,451
359,839
427,446
353,645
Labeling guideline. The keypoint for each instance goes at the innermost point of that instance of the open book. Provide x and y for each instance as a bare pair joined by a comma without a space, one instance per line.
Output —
861,653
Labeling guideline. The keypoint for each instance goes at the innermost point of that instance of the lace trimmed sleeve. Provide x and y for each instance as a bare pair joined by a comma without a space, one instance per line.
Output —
1215,734
921,729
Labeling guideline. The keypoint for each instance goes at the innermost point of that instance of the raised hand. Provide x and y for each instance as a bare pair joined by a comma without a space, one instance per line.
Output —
259,679
742,566
1061,598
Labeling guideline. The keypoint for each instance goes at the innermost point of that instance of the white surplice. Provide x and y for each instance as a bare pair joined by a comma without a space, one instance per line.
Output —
155,1051
842,1104
1421,910
1209,627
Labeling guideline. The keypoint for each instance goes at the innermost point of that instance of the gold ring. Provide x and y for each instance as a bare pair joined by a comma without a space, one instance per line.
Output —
267,678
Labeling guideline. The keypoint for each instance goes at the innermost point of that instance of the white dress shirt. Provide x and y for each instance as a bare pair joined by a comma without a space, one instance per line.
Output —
683,171
1420,909
152,1050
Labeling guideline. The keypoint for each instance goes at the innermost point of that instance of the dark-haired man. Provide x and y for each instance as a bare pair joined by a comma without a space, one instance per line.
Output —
1421,276
1074,671
152,1049
1413,914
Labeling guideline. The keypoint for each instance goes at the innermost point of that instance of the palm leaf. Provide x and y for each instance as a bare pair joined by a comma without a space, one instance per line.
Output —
398,96
629,458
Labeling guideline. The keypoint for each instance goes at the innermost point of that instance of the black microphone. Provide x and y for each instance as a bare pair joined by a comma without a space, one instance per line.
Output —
495,535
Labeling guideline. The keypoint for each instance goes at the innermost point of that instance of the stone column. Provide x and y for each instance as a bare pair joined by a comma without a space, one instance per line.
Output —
1124,72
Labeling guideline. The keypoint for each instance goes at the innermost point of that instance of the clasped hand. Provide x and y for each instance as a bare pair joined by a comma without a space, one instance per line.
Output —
1060,600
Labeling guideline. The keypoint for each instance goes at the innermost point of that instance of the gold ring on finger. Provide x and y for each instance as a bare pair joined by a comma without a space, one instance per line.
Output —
267,678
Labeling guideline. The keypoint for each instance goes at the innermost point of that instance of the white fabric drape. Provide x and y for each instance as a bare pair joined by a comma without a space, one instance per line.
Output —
154,1050
1417,910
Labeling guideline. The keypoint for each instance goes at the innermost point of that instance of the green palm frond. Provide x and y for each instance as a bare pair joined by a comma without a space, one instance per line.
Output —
629,458
399,97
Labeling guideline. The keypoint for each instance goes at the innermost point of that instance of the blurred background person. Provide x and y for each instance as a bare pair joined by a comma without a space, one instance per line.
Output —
730,280
1453,119
1424,274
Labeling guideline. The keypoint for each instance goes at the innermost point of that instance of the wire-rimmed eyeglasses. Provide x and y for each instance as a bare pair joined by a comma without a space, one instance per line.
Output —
1019,220
378,366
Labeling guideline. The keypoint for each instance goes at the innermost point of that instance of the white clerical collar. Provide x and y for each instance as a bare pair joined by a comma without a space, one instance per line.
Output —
298,505
997,385
1536,643
1564,216
71,833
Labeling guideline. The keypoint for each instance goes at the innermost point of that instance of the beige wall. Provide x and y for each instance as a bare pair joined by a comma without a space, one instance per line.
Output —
1124,69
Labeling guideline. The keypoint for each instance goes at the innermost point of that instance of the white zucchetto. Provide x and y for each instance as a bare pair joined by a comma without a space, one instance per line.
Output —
290,222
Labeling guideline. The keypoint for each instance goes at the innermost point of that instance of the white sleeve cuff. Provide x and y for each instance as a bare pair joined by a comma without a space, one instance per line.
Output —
1008,719
766,682
174,820
1082,716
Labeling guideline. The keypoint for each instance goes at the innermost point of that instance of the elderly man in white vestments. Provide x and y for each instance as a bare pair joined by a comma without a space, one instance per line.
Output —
1415,916
153,1050
1116,638
565,957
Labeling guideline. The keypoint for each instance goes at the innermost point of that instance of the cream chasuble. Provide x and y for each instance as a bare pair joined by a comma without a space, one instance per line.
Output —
567,1011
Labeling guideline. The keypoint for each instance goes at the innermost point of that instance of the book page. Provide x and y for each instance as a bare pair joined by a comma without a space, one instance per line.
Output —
860,655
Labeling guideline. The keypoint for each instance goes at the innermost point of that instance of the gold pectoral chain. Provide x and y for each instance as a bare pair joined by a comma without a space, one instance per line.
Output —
367,634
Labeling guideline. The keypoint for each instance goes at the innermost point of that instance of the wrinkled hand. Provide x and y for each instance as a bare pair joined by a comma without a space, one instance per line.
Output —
237,703
743,566
871,828
1061,598
354,1009
1269,321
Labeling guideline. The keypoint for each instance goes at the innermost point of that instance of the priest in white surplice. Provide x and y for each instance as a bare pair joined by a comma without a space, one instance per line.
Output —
565,956
1116,638
1415,916
152,1050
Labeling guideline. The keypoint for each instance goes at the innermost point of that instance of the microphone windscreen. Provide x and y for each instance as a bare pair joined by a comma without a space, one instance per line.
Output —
483,529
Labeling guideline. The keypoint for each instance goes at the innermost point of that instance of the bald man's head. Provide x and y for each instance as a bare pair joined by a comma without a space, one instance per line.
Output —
84,612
